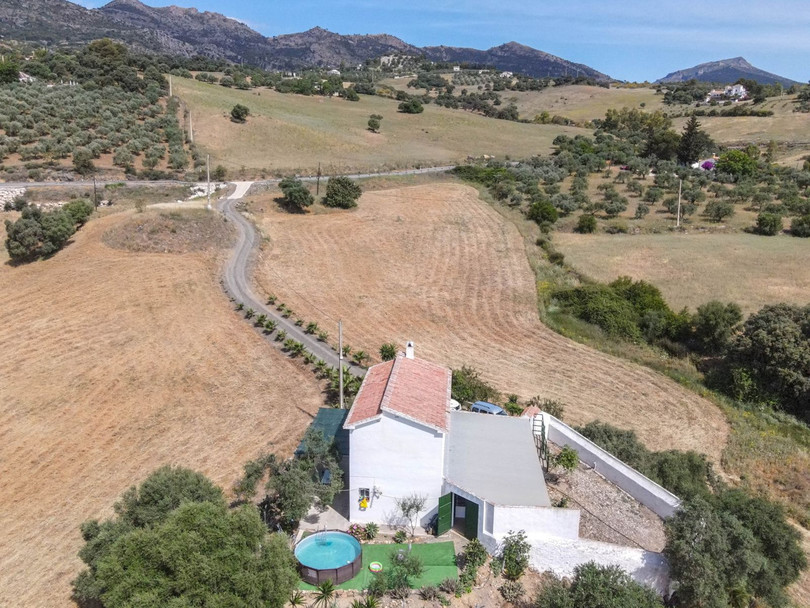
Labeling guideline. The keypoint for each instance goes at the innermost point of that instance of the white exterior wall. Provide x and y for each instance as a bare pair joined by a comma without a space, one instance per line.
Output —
399,457
536,520
662,502
561,556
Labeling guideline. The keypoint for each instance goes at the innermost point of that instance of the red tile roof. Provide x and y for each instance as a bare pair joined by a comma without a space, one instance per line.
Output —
412,388
530,412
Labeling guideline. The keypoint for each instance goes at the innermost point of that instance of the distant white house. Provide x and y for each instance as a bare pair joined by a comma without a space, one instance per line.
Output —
333,72
506,74
481,474
26,78
456,68
734,92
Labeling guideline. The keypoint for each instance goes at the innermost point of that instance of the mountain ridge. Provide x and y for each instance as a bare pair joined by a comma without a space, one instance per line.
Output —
725,71
188,32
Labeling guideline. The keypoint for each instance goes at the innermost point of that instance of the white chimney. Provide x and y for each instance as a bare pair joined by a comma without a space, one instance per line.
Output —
409,350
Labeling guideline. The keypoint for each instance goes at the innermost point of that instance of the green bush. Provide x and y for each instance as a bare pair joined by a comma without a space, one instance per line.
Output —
586,224
239,113
468,387
732,549
800,226
341,192
512,591
543,212
514,554
296,194
36,234
596,586
602,306
768,224
567,458
685,474
411,106
388,351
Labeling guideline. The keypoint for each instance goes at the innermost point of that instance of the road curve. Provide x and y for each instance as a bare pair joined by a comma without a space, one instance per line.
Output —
237,284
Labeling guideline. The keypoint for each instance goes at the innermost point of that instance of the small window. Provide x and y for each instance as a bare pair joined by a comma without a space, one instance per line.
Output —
364,493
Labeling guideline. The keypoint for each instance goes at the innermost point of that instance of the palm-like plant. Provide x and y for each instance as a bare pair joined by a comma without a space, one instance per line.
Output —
249,313
324,593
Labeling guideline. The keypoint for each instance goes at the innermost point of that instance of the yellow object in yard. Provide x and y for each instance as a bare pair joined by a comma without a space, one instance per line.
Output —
364,503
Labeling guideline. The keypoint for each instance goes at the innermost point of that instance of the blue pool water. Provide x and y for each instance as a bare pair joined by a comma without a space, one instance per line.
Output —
326,550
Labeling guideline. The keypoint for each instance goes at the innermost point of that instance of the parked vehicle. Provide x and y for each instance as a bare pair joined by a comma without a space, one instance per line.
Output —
484,407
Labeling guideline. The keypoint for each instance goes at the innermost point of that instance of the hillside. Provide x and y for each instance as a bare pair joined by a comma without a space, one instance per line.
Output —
295,133
726,71
189,32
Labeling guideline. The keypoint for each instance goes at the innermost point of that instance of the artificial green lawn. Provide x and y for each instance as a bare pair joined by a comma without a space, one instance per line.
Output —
439,560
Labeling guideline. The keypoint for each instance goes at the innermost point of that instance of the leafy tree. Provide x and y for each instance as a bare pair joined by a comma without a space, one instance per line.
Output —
239,113
341,192
694,142
596,586
602,306
730,549
296,194
83,161
201,555
388,351
543,212
800,226
468,387
219,173
79,210
38,234
768,224
411,106
774,349
9,72
718,209
410,507
736,163
139,508
586,224
296,482
374,123
714,324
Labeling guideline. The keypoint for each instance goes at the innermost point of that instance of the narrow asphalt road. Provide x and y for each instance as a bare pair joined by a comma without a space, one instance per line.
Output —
236,282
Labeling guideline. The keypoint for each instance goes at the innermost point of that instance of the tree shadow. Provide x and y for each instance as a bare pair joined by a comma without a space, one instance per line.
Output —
282,203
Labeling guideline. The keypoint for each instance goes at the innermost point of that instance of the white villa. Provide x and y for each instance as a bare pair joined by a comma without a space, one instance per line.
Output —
481,474
736,91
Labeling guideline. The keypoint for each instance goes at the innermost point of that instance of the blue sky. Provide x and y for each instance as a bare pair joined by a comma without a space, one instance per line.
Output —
630,39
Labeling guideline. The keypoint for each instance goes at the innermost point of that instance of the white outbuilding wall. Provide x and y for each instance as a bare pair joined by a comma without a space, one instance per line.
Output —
398,457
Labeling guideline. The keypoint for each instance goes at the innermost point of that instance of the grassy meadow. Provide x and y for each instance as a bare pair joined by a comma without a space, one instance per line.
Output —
691,269
293,133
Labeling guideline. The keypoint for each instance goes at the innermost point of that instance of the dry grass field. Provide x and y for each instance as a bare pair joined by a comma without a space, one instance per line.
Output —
581,102
691,269
114,363
437,265
785,126
293,133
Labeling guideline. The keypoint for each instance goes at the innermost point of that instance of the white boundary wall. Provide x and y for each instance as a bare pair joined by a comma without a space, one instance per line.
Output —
662,502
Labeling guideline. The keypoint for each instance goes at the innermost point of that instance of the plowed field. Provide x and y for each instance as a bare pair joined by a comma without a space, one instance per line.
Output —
437,265
112,364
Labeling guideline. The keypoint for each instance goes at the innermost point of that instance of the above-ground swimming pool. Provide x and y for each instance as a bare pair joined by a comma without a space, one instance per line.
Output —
329,555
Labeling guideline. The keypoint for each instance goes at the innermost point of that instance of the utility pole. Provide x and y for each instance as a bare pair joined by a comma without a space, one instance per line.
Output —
95,196
680,188
340,360
208,179
318,183
170,85
190,129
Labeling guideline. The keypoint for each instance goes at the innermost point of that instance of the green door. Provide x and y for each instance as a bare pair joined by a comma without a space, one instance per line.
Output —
471,520
445,521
